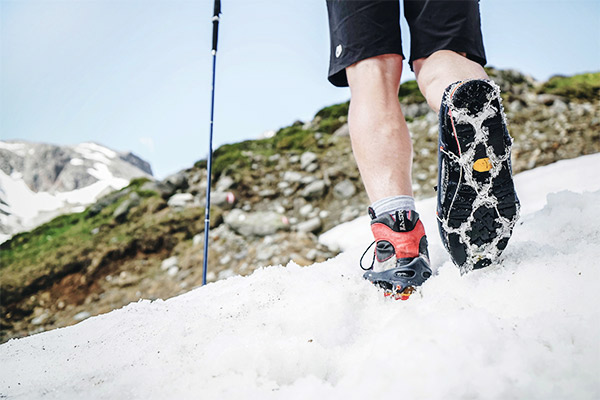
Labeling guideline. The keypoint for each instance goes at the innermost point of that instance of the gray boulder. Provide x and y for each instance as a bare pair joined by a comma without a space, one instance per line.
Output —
314,190
312,225
181,200
225,200
120,213
260,223
343,130
292,176
307,159
344,190
224,183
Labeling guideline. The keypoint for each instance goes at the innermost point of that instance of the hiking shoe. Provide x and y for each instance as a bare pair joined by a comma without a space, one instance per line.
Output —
400,261
477,206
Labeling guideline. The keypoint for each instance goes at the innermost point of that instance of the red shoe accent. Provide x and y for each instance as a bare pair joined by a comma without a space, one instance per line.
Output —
406,244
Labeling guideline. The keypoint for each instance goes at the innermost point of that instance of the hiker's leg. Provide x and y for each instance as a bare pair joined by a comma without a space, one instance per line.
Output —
380,138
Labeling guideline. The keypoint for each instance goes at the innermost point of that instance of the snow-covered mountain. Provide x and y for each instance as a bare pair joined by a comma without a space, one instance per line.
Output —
526,328
39,181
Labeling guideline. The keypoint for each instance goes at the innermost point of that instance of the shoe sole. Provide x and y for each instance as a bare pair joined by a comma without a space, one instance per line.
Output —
484,206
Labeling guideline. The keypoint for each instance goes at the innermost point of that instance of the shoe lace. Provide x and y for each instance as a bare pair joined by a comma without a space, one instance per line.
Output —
372,261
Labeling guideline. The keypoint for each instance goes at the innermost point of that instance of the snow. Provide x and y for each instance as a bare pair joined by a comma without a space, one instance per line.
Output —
525,329
25,209
17,148
93,151
28,209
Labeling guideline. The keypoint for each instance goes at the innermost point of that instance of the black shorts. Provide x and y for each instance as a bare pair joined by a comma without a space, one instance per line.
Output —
364,29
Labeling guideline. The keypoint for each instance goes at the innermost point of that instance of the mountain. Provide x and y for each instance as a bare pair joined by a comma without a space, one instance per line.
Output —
271,200
39,181
525,328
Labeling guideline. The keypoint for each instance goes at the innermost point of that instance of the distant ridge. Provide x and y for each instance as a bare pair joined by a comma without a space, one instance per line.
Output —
39,181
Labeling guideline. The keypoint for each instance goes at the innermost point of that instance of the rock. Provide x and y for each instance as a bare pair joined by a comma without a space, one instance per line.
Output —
106,201
181,200
211,276
120,213
82,315
343,130
307,158
226,274
415,110
314,190
547,99
39,320
169,262
311,255
226,259
560,106
294,159
198,239
344,189
292,176
311,168
159,187
306,209
308,179
224,183
260,223
515,106
124,279
172,271
177,180
349,213
225,200
312,225
265,254
266,193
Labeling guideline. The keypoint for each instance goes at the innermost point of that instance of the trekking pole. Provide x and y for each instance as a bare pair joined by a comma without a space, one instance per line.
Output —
215,21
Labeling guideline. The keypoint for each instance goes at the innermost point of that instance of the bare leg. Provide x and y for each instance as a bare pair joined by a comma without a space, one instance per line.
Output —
380,139
436,72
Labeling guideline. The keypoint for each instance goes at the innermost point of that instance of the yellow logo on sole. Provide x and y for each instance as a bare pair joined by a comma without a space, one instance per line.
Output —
482,165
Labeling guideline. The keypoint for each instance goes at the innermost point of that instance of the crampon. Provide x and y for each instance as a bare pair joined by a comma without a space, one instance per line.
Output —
400,261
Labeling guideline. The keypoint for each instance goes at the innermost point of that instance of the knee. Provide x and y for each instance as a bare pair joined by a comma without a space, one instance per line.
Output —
381,73
439,57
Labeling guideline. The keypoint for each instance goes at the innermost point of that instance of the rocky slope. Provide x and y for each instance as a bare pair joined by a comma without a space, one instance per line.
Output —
39,181
271,199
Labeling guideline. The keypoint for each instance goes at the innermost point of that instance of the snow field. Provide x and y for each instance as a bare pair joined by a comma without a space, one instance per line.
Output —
525,329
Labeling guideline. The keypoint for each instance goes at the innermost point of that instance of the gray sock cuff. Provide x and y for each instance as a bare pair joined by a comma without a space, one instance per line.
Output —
392,204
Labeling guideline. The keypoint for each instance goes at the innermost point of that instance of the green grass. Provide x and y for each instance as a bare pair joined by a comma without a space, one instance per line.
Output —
334,112
409,93
582,87
64,240
230,158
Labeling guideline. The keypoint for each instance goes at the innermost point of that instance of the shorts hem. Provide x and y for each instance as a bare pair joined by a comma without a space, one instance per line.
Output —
337,74
471,55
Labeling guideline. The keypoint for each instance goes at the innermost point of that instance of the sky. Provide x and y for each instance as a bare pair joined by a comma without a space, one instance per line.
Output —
136,75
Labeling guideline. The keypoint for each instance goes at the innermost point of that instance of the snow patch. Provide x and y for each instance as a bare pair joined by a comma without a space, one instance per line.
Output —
526,328
17,148
93,151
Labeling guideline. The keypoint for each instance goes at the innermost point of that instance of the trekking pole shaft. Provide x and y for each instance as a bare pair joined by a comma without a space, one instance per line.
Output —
215,21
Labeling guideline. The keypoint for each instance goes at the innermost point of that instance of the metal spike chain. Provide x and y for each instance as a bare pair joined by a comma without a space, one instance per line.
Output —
484,194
